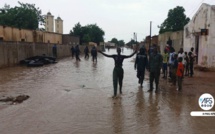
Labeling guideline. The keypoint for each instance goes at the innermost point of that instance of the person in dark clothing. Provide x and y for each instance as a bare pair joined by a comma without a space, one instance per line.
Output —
54,51
118,71
77,53
191,62
72,51
94,54
141,64
186,64
155,65
171,59
174,68
86,51
192,58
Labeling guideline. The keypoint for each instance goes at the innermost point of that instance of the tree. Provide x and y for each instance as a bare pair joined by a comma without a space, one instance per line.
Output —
121,42
175,21
88,33
86,38
114,40
130,43
25,16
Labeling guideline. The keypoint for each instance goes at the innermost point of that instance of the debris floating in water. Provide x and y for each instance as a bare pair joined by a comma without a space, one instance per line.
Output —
18,99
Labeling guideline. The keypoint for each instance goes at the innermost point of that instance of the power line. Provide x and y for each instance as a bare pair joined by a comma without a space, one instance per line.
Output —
196,8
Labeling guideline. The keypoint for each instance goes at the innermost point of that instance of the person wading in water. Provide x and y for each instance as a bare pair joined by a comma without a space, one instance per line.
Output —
118,70
141,63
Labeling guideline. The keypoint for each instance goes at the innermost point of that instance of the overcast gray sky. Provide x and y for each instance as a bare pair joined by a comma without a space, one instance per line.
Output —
118,18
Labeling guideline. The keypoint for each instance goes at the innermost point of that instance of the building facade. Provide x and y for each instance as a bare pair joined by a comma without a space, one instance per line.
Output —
12,34
176,37
59,25
49,22
199,33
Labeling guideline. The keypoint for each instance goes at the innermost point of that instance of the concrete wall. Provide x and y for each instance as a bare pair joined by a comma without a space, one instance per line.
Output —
15,34
72,40
203,19
176,37
154,40
11,53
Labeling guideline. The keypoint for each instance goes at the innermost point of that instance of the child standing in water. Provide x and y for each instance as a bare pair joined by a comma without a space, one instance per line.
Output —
180,73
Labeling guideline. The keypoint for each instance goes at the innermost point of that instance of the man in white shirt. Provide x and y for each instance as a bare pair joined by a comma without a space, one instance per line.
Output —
182,55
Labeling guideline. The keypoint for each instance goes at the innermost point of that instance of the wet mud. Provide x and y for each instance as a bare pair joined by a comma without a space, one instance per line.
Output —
76,97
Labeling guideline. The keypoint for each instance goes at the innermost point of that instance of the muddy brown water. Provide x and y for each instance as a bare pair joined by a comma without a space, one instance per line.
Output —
70,97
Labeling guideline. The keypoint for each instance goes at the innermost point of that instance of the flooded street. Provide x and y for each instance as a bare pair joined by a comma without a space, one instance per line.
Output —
76,97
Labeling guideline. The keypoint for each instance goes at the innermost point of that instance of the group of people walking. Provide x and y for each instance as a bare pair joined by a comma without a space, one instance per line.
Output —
176,65
76,51
153,65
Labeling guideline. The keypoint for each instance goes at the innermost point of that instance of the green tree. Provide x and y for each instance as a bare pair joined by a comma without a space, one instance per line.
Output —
88,33
121,42
130,43
25,16
114,40
86,38
175,21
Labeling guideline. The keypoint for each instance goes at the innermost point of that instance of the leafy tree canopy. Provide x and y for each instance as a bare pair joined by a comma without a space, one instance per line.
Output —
175,21
25,16
88,33
117,42
130,43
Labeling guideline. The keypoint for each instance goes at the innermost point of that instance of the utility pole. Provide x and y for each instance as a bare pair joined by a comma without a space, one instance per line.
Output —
135,39
150,34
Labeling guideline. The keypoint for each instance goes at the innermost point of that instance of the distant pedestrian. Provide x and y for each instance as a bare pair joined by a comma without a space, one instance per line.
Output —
174,69
191,62
187,63
182,55
77,53
73,51
118,71
54,51
165,60
94,54
155,65
192,57
180,73
171,59
86,51
141,63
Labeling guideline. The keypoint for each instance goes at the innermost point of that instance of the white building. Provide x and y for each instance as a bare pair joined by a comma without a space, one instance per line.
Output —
204,44
49,22
59,25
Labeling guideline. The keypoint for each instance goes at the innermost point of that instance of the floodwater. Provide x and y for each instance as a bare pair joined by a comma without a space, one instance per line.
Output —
76,97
